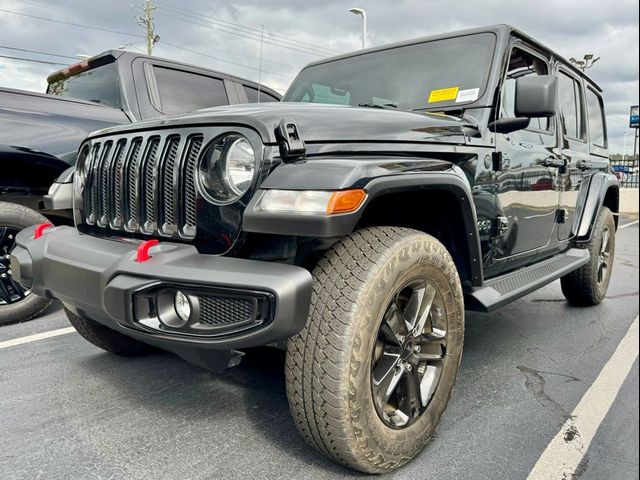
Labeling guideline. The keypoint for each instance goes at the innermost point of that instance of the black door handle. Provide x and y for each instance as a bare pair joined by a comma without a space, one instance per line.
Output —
554,162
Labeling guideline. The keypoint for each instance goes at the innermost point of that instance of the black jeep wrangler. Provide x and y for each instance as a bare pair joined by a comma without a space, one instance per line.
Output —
351,224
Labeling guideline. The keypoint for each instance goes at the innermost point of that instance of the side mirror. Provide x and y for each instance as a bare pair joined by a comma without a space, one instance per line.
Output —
508,125
536,96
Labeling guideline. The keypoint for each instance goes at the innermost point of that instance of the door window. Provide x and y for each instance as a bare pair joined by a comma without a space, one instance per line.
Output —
522,64
570,99
595,112
182,91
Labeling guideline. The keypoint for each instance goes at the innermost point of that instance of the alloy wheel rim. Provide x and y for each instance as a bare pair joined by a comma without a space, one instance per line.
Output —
409,353
604,256
10,291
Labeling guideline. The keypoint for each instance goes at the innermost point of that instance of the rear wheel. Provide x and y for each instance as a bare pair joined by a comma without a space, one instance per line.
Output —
107,338
370,375
589,284
16,303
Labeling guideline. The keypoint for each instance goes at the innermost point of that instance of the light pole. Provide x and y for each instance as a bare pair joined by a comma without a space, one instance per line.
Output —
361,12
586,62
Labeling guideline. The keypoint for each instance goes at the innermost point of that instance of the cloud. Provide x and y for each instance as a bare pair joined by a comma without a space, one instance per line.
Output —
230,33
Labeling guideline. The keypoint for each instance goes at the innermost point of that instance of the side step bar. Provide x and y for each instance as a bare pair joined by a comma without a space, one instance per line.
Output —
506,288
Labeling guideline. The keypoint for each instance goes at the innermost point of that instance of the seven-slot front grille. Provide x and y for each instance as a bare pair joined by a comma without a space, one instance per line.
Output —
143,184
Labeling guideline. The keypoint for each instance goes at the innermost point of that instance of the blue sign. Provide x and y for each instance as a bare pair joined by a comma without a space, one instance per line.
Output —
633,117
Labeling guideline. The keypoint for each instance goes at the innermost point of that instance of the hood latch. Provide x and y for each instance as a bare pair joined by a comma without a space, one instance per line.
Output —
291,144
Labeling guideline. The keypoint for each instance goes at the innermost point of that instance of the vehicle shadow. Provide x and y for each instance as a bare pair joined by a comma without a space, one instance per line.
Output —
252,395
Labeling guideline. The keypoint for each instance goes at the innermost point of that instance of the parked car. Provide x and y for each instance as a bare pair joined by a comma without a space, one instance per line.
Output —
40,134
351,224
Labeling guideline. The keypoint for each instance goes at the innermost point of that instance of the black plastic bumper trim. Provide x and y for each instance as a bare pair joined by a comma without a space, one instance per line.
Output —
96,278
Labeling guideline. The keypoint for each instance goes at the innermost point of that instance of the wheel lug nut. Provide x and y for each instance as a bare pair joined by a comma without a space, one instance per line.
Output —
408,367
401,338
416,349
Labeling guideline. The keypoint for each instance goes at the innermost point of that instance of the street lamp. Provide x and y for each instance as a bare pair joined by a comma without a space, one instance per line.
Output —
360,11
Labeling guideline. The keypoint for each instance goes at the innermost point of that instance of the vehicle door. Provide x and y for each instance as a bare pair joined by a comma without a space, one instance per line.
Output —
526,195
166,89
579,109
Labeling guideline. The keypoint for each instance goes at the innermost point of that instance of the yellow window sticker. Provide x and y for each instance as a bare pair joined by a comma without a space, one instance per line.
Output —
443,94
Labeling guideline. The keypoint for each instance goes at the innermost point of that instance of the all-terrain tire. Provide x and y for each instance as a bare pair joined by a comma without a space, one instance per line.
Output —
106,338
585,287
328,364
18,217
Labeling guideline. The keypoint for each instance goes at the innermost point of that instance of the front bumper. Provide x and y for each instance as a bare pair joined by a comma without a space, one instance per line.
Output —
101,280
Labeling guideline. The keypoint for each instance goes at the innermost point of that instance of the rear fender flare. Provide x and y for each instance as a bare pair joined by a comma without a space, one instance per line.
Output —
591,201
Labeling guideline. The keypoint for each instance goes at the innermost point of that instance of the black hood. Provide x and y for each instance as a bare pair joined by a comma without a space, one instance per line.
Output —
320,123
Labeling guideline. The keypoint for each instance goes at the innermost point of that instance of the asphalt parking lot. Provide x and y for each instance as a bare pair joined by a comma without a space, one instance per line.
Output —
70,410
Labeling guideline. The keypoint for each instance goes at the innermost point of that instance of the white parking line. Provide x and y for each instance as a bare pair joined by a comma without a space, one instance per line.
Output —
564,453
35,337
628,224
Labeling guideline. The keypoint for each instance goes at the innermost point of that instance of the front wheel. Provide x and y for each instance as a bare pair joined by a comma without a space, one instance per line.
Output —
370,375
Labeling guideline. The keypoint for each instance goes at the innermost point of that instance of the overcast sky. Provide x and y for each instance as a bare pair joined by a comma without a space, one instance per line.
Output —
224,35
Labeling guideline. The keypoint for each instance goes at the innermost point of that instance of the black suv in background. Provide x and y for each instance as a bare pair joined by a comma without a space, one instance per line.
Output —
351,224
40,135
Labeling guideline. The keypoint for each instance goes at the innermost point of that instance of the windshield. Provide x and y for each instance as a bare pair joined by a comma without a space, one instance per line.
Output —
436,74
99,84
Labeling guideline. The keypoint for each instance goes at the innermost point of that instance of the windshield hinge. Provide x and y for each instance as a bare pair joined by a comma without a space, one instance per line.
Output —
289,140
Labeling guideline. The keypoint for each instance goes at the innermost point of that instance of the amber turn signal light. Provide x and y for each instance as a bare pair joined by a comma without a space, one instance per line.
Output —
345,201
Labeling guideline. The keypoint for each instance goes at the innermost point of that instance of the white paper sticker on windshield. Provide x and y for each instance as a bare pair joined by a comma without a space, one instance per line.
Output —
469,95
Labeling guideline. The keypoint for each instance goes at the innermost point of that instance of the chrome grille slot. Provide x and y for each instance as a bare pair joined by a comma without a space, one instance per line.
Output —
143,183
104,194
131,187
168,175
148,169
190,164
91,188
117,165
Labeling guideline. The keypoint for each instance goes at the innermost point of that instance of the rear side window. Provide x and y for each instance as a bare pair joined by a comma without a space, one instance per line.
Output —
570,107
182,91
253,96
99,85
595,113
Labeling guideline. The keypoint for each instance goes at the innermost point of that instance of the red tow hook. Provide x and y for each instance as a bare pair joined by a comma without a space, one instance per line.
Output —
37,233
143,250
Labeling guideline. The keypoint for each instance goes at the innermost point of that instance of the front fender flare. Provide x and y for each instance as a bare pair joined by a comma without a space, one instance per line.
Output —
328,226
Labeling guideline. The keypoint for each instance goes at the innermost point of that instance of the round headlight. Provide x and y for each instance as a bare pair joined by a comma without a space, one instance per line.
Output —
240,166
227,168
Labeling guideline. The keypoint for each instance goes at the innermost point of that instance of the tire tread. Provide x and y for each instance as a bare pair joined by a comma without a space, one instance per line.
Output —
317,356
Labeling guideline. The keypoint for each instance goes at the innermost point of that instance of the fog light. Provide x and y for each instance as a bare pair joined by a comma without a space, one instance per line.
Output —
182,306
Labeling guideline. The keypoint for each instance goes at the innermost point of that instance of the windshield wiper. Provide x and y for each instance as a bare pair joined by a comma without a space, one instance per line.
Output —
378,105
